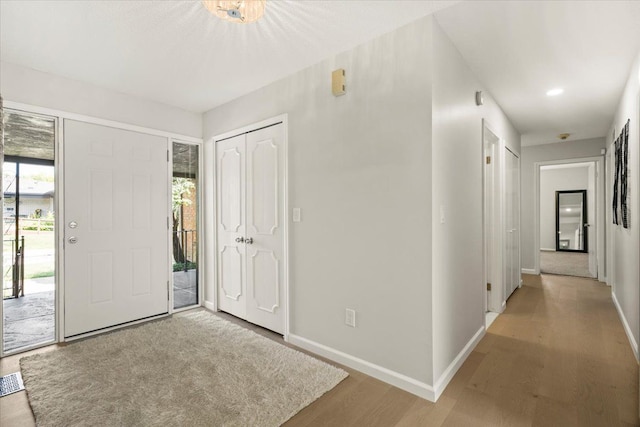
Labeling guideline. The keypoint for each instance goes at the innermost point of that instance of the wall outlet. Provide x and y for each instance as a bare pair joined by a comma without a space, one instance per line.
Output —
350,317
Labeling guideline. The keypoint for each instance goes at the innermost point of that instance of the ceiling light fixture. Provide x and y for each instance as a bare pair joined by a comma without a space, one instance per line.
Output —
555,92
568,209
240,11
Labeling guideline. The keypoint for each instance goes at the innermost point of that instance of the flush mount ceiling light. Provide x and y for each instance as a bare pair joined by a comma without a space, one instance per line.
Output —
240,11
555,92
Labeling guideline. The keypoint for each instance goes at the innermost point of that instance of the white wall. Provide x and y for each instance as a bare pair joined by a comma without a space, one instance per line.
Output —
28,86
360,170
458,295
552,180
625,249
545,153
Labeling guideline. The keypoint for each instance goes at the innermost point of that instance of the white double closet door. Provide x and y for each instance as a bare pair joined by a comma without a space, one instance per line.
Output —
116,244
250,226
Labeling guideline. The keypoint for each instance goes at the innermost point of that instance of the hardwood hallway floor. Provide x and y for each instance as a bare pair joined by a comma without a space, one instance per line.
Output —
558,356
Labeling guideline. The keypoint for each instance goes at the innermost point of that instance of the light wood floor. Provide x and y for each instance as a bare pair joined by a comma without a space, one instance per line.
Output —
558,356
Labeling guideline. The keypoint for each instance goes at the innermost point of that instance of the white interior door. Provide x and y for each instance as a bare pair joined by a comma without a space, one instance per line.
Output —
492,223
591,228
116,206
231,257
517,268
511,272
265,228
250,226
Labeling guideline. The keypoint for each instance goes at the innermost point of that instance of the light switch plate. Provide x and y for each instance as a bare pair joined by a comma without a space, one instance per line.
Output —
441,214
296,214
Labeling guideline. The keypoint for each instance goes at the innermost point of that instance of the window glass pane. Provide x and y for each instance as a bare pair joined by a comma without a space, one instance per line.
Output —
185,224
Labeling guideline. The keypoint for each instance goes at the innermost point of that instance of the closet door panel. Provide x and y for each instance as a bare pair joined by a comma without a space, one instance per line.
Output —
231,256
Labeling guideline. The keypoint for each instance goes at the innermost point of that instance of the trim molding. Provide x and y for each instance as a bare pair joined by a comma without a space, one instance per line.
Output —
451,370
625,324
383,374
547,249
210,305
116,327
529,271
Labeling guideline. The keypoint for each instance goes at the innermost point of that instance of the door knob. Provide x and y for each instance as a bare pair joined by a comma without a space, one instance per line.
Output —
239,239
249,240
73,224
73,240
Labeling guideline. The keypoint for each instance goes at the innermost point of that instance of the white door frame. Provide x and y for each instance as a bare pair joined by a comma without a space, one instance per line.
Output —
600,209
60,116
211,299
497,294
517,217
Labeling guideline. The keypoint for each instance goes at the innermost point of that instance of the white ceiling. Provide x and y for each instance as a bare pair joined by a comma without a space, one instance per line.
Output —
177,53
521,49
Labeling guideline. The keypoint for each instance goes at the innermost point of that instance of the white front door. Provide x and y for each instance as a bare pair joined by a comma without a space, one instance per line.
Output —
116,205
251,246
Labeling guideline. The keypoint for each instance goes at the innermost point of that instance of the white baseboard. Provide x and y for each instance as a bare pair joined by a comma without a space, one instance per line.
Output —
451,370
211,306
625,324
383,374
528,271
547,249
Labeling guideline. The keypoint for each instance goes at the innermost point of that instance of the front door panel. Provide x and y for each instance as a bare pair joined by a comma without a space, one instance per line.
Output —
116,203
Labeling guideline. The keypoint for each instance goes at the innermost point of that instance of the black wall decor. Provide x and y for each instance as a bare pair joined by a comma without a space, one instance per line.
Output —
620,179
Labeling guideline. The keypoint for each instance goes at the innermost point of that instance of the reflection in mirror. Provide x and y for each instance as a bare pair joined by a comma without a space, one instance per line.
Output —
571,220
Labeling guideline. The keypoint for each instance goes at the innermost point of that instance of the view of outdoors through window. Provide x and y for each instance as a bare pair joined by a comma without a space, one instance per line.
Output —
29,265
185,224
28,234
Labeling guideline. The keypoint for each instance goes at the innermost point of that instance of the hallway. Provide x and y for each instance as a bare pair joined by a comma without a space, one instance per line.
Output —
557,356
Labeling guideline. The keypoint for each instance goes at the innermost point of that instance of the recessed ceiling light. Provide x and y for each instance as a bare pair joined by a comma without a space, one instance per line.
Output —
555,92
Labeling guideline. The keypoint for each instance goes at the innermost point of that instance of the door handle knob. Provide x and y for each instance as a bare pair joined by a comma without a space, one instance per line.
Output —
249,240
73,240
73,224
239,239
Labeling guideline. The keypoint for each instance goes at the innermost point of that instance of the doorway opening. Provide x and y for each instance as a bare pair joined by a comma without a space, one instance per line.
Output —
184,236
567,212
491,209
29,232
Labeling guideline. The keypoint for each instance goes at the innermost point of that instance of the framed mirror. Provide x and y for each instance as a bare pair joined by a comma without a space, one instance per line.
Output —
571,221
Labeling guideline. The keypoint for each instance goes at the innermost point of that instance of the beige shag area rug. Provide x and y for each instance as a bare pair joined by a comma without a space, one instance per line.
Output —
194,369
